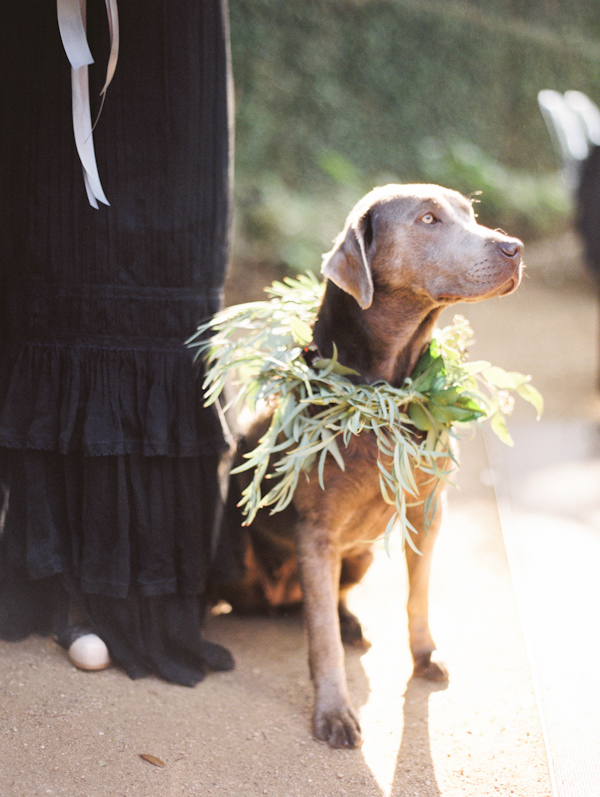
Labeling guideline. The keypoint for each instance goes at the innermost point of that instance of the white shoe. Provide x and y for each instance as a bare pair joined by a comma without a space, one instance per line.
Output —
88,652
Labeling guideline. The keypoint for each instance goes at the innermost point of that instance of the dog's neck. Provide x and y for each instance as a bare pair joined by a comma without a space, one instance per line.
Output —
382,342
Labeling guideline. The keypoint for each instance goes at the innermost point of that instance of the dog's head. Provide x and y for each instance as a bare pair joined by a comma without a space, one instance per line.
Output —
423,239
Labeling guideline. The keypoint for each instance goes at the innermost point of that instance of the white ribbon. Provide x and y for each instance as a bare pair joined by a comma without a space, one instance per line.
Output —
72,26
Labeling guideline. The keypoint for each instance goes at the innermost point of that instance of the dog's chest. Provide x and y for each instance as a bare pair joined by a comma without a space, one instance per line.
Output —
351,506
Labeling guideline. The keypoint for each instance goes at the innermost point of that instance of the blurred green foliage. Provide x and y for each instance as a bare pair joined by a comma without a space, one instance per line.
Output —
336,96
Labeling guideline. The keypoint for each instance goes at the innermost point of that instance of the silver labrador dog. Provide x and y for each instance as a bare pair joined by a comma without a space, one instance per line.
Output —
406,252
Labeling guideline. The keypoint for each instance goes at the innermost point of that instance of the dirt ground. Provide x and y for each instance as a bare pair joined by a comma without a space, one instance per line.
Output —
247,732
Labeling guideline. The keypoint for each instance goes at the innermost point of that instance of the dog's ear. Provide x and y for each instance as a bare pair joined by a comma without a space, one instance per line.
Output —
348,264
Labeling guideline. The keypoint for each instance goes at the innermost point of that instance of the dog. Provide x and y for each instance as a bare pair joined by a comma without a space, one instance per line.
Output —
405,253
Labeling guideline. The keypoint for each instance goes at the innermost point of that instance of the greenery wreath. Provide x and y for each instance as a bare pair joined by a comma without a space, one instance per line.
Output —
264,350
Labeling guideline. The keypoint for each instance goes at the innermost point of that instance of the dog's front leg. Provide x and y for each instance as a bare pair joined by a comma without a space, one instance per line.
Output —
334,718
422,646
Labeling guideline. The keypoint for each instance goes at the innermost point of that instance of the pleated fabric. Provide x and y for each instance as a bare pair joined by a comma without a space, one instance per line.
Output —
108,459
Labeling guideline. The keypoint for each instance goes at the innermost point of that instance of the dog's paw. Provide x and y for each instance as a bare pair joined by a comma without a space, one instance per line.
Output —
338,727
428,666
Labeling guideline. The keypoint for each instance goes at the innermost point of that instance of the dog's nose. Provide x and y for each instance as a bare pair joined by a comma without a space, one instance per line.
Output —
511,248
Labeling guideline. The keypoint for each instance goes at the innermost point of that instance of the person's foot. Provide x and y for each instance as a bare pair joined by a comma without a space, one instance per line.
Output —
88,652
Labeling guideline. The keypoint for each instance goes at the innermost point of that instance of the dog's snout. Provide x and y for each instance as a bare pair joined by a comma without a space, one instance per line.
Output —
511,248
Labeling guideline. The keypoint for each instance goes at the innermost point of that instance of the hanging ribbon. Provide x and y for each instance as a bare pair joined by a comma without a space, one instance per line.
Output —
73,32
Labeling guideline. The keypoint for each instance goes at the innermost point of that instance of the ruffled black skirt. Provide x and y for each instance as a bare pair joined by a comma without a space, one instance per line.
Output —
108,459
127,541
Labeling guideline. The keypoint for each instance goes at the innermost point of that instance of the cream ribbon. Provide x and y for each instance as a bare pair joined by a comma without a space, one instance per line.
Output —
72,26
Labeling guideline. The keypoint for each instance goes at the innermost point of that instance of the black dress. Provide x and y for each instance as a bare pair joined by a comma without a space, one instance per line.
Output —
108,459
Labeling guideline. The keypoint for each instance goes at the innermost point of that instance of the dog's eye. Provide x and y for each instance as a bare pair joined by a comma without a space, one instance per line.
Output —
429,218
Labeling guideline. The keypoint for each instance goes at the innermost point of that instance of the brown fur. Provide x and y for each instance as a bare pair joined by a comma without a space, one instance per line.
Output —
406,252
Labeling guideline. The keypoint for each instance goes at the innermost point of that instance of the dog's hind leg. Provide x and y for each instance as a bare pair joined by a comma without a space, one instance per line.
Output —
354,566
351,628
334,718
422,646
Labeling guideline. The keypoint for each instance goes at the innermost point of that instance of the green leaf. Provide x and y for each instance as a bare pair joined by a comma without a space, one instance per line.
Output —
409,469
498,424
321,468
504,380
388,530
301,331
447,395
476,367
430,507
332,366
384,491
424,382
533,396
453,414
419,417
336,454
